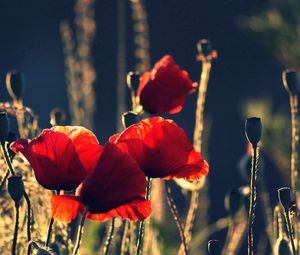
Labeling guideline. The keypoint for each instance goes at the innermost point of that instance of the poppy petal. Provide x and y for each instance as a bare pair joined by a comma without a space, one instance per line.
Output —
116,181
65,208
85,142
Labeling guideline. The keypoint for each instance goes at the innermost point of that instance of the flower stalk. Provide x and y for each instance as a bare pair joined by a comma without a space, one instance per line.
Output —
109,237
80,232
16,228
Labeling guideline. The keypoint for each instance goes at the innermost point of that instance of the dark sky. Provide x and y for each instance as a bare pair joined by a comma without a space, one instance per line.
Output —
30,42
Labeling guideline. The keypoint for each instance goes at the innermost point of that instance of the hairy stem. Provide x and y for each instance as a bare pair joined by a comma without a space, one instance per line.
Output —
6,174
7,159
290,230
109,237
79,233
15,237
124,247
28,216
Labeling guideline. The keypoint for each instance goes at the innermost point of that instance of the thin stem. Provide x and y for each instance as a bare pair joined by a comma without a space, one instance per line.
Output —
28,216
15,238
50,226
175,214
142,223
79,233
30,244
254,168
124,247
290,230
4,179
7,159
110,236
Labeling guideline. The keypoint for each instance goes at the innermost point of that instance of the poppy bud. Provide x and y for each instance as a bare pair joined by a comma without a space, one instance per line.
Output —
133,80
290,81
57,117
15,187
4,126
214,247
234,201
43,252
204,47
284,196
282,247
253,129
129,118
15,84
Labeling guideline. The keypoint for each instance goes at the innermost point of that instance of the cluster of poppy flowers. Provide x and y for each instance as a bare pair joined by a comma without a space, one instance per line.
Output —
109,180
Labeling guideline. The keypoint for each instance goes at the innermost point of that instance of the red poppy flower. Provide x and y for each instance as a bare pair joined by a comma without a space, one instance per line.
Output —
165,88
61,157
162,149
116,187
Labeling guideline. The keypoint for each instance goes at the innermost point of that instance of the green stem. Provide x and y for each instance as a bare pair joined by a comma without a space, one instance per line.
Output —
28,216
252,199
7,159
290,230
175,214
15,238
109,236
142,223
79,233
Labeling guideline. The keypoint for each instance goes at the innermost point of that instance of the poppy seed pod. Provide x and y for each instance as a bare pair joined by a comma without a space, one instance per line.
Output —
253,129
43,252
234,201
214,247
133,80
15,84
129,118
284,196
57,117
15,187
282,247
290,81
204,47
4,126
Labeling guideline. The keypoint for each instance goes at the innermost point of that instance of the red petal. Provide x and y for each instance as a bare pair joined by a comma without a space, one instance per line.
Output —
54,160
116,181
162,149
165,88
85,142
65,208
134,211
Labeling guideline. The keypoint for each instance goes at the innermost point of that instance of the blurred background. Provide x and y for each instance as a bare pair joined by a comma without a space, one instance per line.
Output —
255,40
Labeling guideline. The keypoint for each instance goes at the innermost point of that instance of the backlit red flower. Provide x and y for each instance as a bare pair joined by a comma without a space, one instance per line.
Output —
162,149
165,88
61,157
115,187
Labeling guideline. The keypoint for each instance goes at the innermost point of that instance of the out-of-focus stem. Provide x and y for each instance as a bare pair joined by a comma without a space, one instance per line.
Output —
254,168
199,116
15,238
290,230
7,159
109,236
29,246
142,223
176,217
124,247
79,233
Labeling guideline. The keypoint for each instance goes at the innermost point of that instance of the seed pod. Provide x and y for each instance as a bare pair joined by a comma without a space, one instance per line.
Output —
4,126
204,47
133,81
15,84
214,247
282,247
290,81
15,187
129,118
253,129
57,117
284,196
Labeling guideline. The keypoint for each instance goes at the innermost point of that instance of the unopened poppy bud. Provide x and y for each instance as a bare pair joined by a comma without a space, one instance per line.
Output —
282,247
214,247
234,201
290,81
253,129
133,80
204,47
4,126
284,196
15,187
42,251
57,117
15,84
129,118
